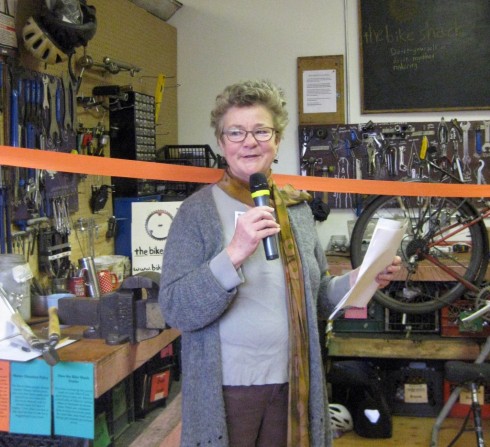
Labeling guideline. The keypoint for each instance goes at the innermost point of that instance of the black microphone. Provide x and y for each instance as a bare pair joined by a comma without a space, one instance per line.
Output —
261,194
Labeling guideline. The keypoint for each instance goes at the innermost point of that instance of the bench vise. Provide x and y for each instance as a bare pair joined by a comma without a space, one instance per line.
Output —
129,314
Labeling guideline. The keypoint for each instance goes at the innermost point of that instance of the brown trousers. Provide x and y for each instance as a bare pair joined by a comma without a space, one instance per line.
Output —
257,415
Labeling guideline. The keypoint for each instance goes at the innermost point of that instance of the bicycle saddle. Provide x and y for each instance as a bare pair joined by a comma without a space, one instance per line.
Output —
353,372
462,372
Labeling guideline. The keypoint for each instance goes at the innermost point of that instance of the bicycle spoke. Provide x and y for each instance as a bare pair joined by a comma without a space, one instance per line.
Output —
432,275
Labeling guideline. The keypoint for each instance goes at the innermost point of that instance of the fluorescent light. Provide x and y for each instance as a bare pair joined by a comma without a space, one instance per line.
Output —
164,9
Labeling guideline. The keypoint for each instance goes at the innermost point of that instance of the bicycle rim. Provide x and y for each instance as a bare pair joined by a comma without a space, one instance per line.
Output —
435,227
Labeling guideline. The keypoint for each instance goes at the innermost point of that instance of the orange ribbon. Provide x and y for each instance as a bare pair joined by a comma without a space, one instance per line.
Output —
115,167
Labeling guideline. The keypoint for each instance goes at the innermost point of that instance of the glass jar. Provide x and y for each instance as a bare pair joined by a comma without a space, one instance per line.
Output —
15,276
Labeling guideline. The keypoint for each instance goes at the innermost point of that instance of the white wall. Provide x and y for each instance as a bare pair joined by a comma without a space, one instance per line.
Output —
223,41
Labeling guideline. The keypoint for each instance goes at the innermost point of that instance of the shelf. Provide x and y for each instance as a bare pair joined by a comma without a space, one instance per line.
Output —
112,363
415,347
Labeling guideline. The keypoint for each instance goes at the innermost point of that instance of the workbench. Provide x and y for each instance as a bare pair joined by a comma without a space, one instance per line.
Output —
107,411
112,363
397,346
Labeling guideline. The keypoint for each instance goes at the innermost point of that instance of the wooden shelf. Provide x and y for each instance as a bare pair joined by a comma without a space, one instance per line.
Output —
427,272
112,363
394,346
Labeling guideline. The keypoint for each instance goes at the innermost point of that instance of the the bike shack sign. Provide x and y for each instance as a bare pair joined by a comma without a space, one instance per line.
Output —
150,223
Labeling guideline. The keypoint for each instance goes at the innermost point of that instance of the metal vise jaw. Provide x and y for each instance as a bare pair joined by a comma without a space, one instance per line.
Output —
129,314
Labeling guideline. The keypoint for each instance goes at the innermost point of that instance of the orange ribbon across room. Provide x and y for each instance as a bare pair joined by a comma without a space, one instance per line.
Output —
115,167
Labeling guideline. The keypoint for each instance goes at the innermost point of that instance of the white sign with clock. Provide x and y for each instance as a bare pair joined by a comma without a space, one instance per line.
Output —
150,223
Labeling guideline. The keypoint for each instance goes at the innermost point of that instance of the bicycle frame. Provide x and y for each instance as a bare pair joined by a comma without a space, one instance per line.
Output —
435,226
448,270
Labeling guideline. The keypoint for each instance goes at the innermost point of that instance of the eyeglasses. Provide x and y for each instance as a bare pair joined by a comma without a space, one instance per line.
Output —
261,134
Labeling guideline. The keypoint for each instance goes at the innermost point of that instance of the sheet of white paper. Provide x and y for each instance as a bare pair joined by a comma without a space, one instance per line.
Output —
385,241
17,349
320,91
7,328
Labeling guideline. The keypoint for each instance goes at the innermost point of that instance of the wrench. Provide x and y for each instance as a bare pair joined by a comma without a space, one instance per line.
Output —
466,151
371,152
480,180
401,162
54,130
304,147
479,173
343,169
486,145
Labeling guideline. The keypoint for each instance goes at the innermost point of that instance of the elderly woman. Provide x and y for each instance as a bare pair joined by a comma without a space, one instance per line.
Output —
251,358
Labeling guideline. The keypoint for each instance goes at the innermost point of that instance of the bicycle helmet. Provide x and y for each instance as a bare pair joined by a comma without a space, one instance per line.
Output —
50,38
69,35
40,44
340,418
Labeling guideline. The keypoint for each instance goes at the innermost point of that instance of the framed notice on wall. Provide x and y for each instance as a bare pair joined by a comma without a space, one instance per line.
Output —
321,90
418,55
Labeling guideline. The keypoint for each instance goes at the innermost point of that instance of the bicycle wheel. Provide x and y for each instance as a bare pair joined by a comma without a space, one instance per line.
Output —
433,274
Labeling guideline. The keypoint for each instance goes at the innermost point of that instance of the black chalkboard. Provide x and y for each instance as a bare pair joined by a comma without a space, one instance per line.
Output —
424,55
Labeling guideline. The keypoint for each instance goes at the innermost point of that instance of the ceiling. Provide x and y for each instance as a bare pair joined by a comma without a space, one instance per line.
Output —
164,9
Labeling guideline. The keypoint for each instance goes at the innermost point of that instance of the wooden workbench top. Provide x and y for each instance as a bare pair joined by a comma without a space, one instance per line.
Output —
112,363
415,347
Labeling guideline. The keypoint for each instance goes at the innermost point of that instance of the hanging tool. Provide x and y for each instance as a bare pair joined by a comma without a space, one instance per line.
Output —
480,180
99,197
466,152
486,144
478,143
401,159
159,94
33,226
54,136
457,127
108,64
423,147
371,153
442,132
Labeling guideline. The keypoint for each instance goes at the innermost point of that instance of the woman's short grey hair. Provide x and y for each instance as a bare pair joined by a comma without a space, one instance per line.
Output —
251,93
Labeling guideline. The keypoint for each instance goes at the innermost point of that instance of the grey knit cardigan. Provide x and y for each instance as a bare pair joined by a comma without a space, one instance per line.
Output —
192,300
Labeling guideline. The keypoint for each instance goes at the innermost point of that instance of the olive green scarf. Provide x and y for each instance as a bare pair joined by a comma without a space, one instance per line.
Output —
299,381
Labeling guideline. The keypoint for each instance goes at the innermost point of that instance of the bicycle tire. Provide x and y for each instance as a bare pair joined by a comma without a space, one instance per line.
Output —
422,286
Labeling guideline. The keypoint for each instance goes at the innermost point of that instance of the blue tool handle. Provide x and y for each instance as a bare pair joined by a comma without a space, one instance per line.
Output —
14,121
478,142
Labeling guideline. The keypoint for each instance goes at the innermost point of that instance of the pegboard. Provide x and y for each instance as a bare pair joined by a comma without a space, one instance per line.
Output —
124,33
395,151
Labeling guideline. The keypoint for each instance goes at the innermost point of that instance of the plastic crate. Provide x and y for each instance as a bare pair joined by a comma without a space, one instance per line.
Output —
416,388
451,325
19,440
374,322
412,323
117,405
184,155
461,407
153,380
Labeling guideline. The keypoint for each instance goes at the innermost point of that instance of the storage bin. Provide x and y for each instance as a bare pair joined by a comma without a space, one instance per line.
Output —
18,440
416,388
451,325
118,406
373,323
462,405
153,381
412,323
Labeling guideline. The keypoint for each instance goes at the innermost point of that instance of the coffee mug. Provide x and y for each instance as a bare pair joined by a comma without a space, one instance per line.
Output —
107,281
76,285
